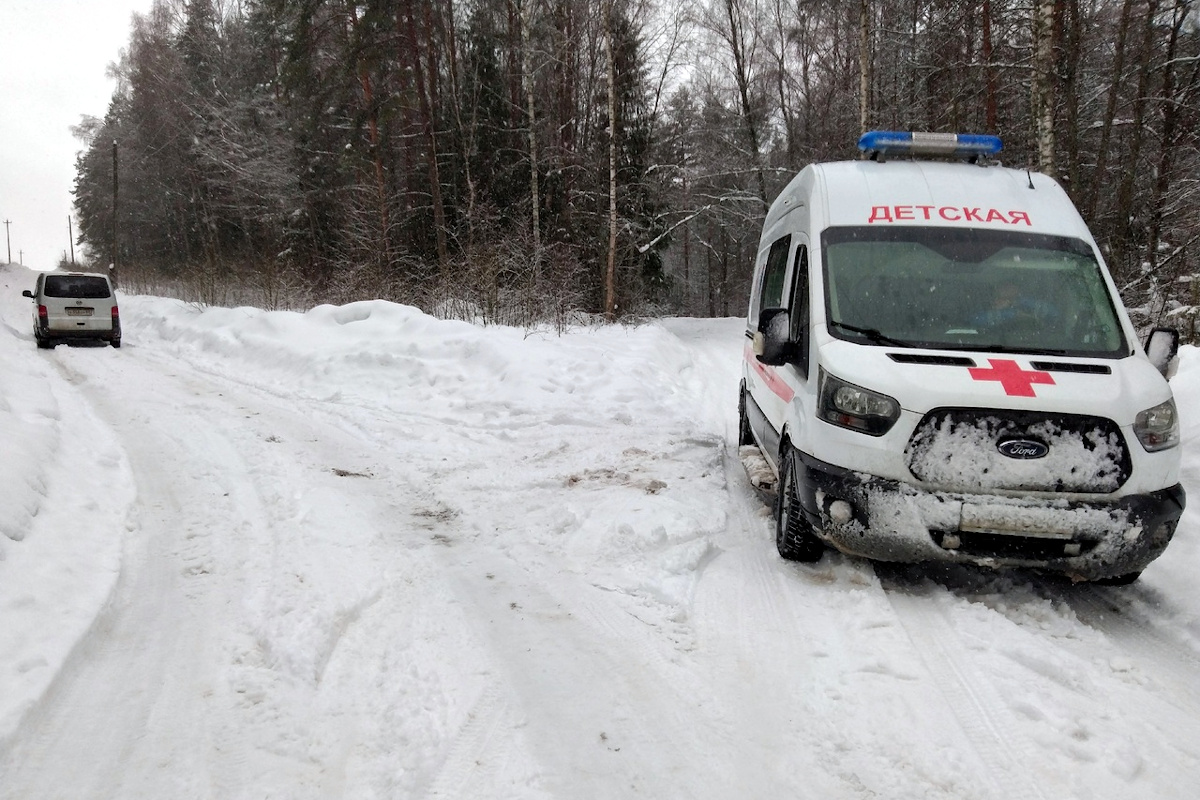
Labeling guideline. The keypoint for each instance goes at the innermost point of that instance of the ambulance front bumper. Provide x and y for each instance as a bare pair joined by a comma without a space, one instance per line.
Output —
1079,536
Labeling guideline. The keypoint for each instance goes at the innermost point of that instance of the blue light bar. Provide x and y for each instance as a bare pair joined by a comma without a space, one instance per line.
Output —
961,145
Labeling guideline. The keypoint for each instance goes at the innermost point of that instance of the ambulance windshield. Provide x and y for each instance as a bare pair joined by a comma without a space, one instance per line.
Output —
968,289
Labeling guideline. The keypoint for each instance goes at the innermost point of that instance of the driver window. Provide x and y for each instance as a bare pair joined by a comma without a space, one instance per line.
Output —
769,292
772,285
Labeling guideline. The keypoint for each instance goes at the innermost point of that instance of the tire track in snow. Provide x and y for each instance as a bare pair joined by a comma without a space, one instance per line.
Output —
314,474
740,617
225,719
79,524
982,715
1167,660
606,716
396,481
790,675
487,754
481,759
145,654
199,521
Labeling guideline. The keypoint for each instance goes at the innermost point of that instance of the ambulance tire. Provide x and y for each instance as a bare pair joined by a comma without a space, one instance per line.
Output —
745,435
794,536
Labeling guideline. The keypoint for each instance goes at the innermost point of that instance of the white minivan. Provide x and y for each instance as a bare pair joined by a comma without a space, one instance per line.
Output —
74,306
938,368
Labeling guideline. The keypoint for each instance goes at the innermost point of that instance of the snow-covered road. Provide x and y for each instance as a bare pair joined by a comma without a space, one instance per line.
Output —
364,553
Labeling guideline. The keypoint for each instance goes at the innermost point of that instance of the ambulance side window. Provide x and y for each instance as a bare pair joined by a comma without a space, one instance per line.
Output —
799,311
770,294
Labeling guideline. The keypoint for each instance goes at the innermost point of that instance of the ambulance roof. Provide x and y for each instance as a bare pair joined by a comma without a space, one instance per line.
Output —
939,193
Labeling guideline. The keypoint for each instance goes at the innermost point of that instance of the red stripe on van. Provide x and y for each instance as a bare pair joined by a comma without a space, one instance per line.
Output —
770,377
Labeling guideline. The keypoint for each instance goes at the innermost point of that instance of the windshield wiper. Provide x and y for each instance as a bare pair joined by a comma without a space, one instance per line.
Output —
873,334
1000,348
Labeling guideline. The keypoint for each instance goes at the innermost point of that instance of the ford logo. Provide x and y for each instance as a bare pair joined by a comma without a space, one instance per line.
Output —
1023,448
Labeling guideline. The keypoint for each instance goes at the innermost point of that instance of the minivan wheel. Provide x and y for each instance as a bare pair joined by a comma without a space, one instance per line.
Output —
745,435
115,342
45,344
794,536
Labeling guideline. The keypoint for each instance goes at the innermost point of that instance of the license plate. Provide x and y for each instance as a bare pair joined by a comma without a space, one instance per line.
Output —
79,312
1039,523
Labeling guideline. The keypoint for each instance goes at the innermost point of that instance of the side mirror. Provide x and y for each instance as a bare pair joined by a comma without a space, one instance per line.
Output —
771,343
27,293
1161,348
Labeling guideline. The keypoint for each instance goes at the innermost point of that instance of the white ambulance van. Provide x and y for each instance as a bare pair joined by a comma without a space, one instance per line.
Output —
938,368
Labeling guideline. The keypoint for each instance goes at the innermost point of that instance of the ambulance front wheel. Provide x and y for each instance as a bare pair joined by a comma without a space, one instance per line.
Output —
794,536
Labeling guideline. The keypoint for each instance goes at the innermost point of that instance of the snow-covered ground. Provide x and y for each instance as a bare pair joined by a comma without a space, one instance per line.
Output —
363,553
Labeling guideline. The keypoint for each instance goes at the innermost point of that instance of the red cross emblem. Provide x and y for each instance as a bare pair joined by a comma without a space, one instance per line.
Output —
1016,381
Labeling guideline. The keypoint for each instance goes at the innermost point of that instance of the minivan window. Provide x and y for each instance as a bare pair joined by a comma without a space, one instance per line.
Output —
770,289
968,289
83,287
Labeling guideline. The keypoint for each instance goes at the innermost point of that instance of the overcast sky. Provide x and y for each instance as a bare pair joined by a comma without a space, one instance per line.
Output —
54,56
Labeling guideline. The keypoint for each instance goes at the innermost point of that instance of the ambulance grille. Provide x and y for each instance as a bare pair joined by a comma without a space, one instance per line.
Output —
958,449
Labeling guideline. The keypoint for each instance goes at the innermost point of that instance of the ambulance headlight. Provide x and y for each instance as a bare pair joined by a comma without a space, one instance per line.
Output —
854,407
1158,428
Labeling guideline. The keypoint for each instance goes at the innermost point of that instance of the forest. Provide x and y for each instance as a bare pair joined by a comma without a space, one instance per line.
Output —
545,161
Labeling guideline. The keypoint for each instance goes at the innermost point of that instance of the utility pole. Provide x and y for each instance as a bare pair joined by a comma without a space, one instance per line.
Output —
71,238
113,266
8,238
